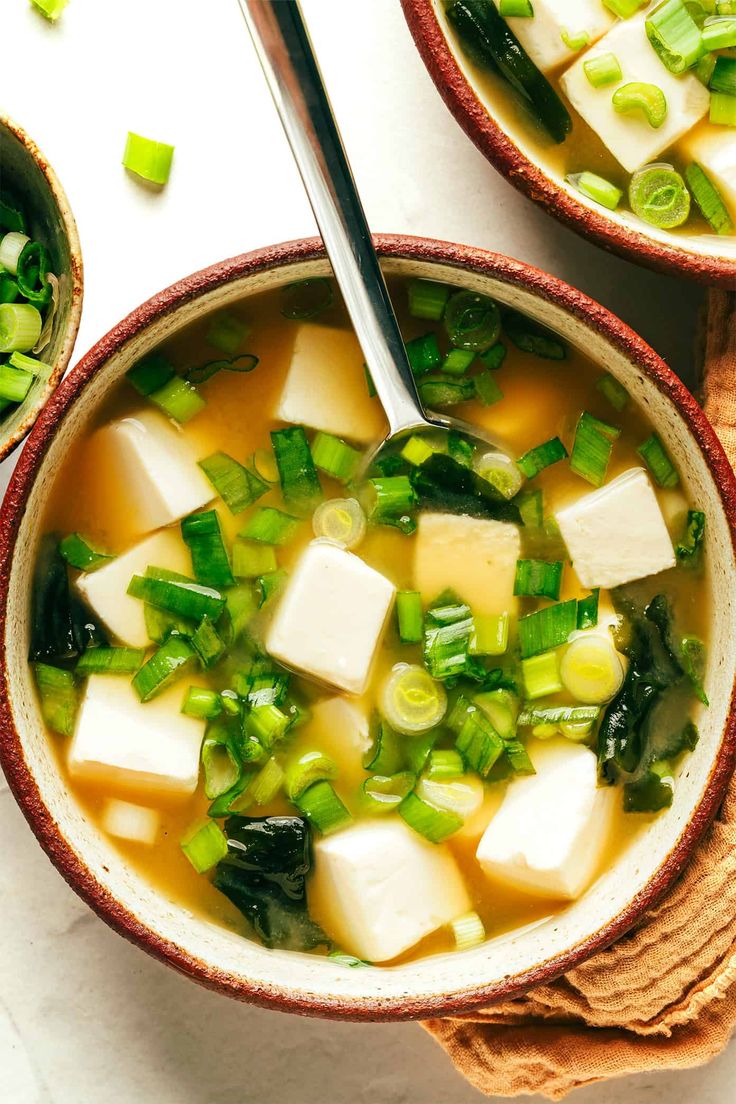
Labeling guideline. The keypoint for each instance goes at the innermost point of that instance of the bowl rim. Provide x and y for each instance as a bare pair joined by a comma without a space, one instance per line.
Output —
23,784
527,177
76,273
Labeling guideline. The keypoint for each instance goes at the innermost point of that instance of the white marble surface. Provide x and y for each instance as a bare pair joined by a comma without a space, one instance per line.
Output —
84,1017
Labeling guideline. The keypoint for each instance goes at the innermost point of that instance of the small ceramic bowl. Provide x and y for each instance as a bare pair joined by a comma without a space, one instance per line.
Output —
217,957
501,132
27,175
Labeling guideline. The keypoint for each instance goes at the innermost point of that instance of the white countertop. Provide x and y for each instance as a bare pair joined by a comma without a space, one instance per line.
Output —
85,1017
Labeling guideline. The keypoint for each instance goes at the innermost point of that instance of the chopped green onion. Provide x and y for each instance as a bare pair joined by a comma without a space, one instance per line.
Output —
531,508
270,526
179,399
427,299
445,763
438,391
173,659
490,634
110,661
541,674
251,559
340,520
487,389
722,109
385,756
384,793
476,738
434,824
150,373
500,471
208,643
613,391
538,579
501,707
79,553
50,9
202,703
58,693
177,595
675,35
424,354
33,270
410,616
30,364
658,195
457,361
265,466
575,40
624,9
531,337
704,69
468,931
226,333
472,321
323,808
460,449
416,451
461,796
300,484
335,457
639,96
547,628
20,327
592,447
9,290
559,714
202,534
270,585
15,383
688,547
693,656
597,188
391,497
591,670
541,457
654,455
204,846
411,700
588,610
494,357
603,69
417,748
148,159
723,77
267,723
307,768
708,198
237,487
306,298
221,765
11,250
719,34
521,9
267,783
447,633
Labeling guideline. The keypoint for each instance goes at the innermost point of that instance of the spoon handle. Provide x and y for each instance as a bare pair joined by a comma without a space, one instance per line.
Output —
286,55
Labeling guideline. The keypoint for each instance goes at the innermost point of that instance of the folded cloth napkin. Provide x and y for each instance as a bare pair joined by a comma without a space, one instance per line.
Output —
664,996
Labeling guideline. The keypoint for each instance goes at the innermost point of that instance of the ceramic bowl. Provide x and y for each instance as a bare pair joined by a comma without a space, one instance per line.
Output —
294,982
27,175
501,132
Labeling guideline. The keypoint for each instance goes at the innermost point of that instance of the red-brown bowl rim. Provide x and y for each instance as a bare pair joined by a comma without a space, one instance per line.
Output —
495,144
76,273
22,781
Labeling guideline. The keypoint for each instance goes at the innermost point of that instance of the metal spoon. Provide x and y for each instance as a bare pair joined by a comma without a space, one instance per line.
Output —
289,64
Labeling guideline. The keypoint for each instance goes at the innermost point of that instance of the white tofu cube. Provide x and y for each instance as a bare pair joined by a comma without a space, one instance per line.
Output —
326,387
630,138
378,888
340,728
105,590
119,742
550,833
331,617
134,823
155,468
714,148
617,534
475,557
541,35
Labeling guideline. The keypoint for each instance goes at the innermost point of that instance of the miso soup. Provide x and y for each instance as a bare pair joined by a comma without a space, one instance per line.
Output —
632,102
372,713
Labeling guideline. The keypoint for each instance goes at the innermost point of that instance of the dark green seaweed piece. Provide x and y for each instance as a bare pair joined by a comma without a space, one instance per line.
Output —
62,627
443,483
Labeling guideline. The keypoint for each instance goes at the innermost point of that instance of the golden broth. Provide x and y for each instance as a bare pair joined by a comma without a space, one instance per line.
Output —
541,398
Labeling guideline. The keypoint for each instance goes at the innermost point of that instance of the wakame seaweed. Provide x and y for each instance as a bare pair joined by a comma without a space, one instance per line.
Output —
442,483
264,875
653,669
62,627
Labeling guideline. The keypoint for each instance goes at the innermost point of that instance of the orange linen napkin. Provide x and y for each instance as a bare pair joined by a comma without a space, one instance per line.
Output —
663,997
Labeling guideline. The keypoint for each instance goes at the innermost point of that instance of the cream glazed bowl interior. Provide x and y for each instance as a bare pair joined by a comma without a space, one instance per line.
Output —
218,958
